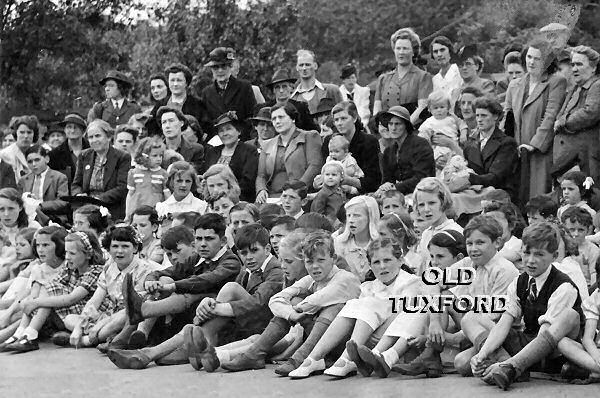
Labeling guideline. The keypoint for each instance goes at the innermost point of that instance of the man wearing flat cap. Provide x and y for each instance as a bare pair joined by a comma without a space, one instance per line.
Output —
283,85
227,93
64,157
310,90
116,109
351,91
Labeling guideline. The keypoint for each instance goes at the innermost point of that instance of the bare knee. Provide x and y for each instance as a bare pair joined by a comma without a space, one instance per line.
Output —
331,312
230,291
462,364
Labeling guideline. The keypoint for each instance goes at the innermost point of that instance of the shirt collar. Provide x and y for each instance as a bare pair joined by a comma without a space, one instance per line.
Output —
187,200
297,215
485,136
300,90
264,264
118,102
541,279
217,256
43,175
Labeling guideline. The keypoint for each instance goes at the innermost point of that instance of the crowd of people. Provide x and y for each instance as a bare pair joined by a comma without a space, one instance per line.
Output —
227,232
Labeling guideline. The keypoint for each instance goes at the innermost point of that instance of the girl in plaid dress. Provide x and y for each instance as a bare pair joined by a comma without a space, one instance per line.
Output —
104,315
62,300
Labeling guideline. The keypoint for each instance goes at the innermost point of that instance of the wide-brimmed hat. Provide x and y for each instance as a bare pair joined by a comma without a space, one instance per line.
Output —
227,117
263,115
325,106
116,76
281,75
398,111
347,71
75,119
554,27
220,56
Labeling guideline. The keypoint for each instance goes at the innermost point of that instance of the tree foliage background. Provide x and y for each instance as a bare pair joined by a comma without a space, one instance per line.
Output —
52,53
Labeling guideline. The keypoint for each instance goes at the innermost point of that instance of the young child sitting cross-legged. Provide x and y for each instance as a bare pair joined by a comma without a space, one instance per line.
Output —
313,302
549,304
242,304
186,284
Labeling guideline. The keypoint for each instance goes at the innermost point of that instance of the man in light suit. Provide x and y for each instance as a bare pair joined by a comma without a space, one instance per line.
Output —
351,91
44,184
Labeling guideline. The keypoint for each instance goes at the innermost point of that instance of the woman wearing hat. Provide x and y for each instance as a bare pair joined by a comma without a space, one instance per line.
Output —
292,155
242,158
116,109
407,85
283,85
26,132
351,91
64,157
54,136
409,158
263,127
102,170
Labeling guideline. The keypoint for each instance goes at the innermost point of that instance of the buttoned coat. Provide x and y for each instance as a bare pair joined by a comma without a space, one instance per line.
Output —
116,168
238,97
302,158
496,165
106,111
55,186
534,116
581,132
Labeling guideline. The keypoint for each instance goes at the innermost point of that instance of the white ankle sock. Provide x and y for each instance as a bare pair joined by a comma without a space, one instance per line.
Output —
223,355
85,341
391,357
375,351
19,332
30,333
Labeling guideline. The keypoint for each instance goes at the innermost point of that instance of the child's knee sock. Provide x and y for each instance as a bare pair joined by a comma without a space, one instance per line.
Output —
539,348
320,326
275,331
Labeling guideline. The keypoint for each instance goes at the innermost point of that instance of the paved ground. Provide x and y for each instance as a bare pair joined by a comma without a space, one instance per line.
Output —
64,372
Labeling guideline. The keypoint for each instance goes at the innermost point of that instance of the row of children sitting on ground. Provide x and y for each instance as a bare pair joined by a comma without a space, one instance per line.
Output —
208,288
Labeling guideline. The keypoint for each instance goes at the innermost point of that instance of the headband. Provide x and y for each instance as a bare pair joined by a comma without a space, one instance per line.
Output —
447,234
87,245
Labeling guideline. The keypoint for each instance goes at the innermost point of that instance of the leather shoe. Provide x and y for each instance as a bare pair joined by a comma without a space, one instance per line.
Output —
137,340
62,339
196,344
7,342
430,365
380,367
285,368
570,371
133,301
129,359
363,368
209,359
341,368
23,345
244,361
308,368
504,374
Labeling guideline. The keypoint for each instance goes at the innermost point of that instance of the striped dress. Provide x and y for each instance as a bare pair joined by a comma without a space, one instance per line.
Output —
148,187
